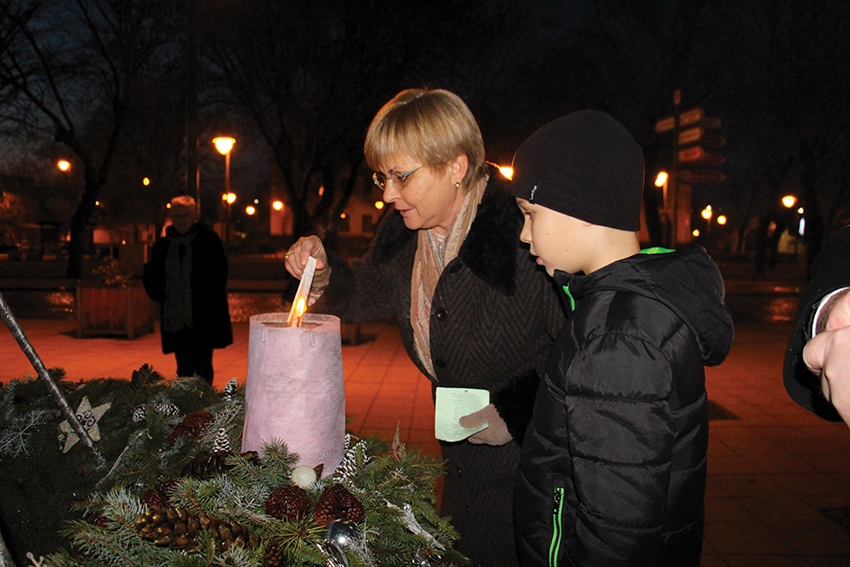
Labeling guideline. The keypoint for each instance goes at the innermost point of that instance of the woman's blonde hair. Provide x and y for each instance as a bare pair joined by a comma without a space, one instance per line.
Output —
434,126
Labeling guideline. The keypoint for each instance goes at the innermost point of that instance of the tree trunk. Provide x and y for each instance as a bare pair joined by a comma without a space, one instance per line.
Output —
79,222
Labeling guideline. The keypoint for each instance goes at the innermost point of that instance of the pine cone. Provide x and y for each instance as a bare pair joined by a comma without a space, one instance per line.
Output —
222,442
139,413
193,425
337,503
288,502
273,555
153,499
181,529
206,465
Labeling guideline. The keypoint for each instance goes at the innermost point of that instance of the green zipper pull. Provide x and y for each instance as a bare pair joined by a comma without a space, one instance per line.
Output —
572,300
555,545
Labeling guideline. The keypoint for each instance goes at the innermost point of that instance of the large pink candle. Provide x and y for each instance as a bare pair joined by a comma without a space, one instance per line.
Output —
294,390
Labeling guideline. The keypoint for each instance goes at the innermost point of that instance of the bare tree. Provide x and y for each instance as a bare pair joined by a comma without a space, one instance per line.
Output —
70,67
788,84
312,77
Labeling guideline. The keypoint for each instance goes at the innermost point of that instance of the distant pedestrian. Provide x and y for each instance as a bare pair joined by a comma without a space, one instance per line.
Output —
817,362
613,466
187,274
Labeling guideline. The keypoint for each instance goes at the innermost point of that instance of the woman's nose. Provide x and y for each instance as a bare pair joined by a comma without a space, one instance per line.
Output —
390,192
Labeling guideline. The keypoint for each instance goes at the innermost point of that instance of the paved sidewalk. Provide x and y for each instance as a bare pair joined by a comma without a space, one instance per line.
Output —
776,473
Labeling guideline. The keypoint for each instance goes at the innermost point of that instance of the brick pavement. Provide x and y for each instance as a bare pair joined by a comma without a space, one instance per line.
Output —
773,468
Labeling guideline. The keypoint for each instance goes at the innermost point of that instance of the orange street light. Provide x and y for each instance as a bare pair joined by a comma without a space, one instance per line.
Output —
789,201
250,210
506,170
661,181
721,219
63,165
379,205
706,214
224,145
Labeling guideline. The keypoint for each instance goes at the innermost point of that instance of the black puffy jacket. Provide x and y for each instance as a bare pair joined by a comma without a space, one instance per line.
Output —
613,466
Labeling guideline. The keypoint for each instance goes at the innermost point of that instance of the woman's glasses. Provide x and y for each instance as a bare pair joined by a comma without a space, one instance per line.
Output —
380,179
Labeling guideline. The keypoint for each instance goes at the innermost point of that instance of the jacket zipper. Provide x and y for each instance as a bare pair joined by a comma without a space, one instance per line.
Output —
555,545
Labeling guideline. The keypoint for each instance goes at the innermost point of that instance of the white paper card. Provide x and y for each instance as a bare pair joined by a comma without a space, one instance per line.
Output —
452,404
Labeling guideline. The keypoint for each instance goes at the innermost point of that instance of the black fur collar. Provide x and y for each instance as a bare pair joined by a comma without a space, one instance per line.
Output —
490,248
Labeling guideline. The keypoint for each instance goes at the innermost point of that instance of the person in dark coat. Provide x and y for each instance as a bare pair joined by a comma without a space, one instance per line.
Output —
472,308
613,465
817,362
187,275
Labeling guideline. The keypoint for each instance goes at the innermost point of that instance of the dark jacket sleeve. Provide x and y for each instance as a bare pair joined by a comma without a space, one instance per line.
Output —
515,403
368,289
830,271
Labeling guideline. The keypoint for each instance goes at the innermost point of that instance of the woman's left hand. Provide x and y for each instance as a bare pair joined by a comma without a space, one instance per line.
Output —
495,434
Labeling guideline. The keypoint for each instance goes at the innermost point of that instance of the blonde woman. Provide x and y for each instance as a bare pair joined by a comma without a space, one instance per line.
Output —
473,309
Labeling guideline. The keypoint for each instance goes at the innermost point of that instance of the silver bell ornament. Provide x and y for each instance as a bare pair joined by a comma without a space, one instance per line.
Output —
340,536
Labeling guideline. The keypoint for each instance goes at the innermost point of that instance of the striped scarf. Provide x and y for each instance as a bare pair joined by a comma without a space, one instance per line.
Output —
433,253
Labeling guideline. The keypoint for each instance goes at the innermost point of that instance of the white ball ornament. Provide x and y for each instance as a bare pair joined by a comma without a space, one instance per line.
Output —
303,476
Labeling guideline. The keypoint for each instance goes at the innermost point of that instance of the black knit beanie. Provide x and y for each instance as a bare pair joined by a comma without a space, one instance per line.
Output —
585,165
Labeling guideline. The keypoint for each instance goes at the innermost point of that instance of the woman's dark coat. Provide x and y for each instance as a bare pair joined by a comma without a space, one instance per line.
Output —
494,316
830,271
210,313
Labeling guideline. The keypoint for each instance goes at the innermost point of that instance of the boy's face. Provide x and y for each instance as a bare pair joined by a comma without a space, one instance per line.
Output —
559,241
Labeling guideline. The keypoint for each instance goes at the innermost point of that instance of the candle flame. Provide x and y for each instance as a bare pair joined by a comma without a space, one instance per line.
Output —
299,304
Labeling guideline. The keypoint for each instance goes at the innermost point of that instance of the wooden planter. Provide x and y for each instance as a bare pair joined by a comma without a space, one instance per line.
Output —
125,311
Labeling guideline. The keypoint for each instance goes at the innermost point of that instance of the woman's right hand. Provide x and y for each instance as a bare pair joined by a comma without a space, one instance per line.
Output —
297,256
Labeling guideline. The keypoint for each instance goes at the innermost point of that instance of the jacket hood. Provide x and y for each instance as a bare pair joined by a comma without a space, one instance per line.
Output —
687,282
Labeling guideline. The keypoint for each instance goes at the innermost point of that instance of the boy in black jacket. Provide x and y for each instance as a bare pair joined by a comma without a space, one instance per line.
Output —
614,461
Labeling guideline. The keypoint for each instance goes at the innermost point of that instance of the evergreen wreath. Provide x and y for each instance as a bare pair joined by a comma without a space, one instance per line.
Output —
174,493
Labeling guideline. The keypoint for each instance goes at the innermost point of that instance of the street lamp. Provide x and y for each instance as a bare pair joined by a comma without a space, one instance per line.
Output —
506,170
789,201
706,214
224,144
661,181
63,165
